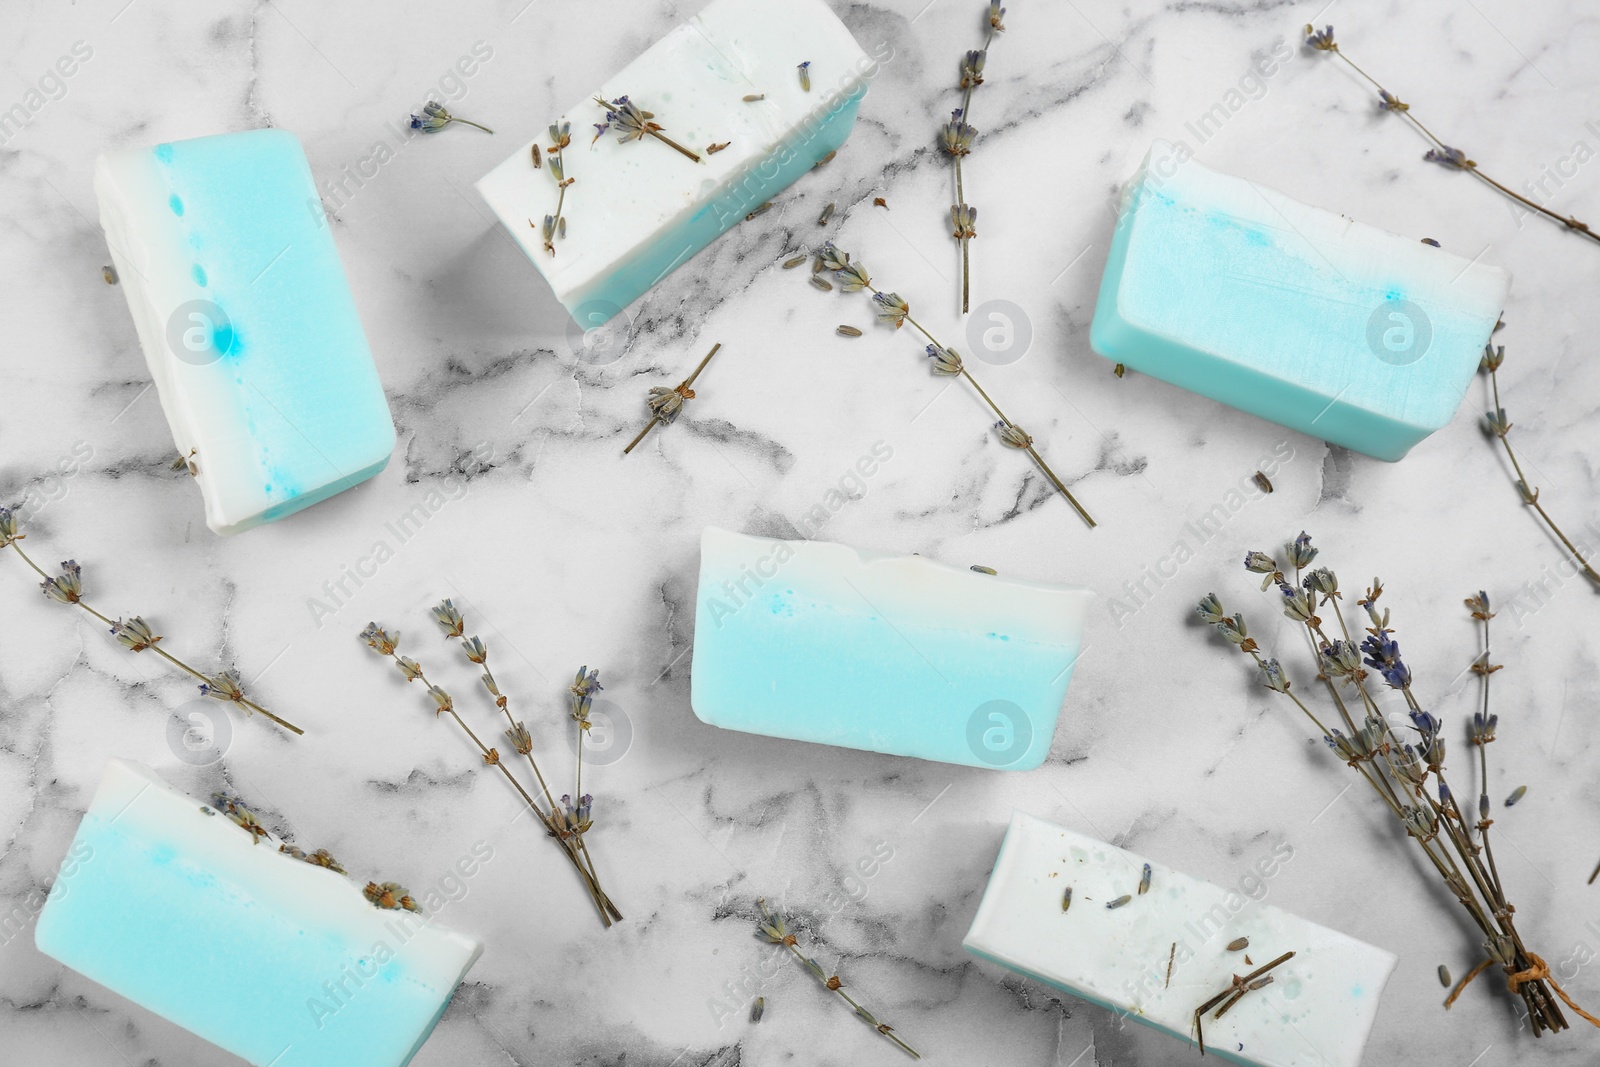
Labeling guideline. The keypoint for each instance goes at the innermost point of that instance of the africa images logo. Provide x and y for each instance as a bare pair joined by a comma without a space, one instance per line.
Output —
1399,332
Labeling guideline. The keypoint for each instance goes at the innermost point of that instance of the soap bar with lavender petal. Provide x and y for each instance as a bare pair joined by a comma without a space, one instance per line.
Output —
1340,330
896,654
637,211
246,321
1055,911
276,960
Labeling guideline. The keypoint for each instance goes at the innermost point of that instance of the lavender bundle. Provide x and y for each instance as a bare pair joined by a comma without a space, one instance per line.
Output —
1441,153
1401,770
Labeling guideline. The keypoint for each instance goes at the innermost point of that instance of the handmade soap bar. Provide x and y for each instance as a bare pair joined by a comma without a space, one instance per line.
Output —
898,654
246,321
1343,331
1069,911
276,960
637,211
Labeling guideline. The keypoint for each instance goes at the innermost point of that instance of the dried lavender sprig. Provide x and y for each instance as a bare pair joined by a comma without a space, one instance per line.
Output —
776,931
556,225
435,117
1481,733
1235,992
893,310
634,124
956,138
583,690
451,621
391,896
1446,156
133,633
1498,426
1340,660
666,404
381,642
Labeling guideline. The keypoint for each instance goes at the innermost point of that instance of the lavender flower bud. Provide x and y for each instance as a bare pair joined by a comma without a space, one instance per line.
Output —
1260,563
66,587
225,686
1297,604
1323,581
955,136
945,360
1321,40
378,640
1446,156
1301,553
1210,609
1274,679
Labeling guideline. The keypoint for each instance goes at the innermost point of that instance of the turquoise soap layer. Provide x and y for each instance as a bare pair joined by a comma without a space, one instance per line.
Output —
1308,319
275,960
901,655
668,249
246,320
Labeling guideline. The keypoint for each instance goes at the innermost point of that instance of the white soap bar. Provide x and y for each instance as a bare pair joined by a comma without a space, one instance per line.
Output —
278,961
896,654
1340,330
637,211
246,321
1316,1012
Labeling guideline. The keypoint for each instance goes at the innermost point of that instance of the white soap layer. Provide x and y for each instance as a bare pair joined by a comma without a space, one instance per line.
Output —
639,210
271,958
1317,1012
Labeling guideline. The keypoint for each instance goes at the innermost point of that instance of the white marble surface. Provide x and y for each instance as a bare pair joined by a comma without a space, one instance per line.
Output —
566,553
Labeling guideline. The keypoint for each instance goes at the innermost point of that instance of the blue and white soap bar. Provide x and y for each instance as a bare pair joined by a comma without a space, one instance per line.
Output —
246,321
1343,331
1153,944
636,211
897,654
278,961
